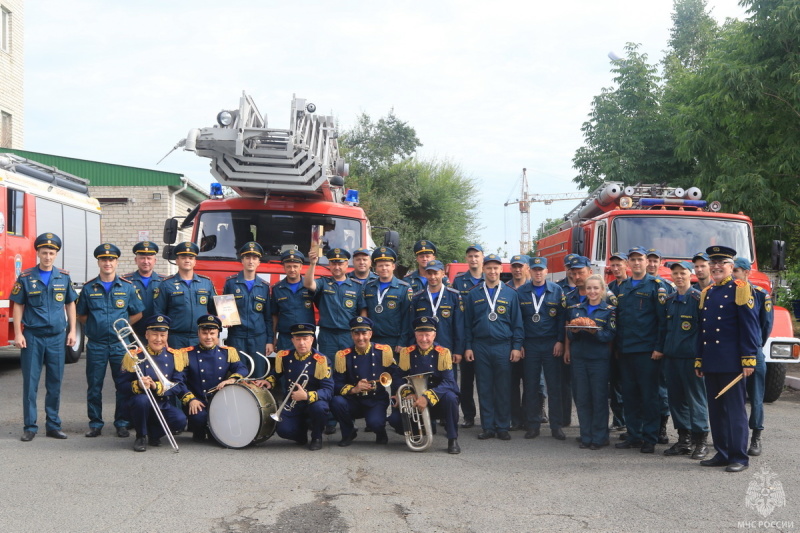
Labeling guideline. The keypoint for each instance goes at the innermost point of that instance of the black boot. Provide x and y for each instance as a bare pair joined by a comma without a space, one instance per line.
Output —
700,441
755,444
662,433
682,447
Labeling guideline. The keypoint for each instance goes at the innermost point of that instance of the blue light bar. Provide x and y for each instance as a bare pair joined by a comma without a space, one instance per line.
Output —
672,201
216,189
351,196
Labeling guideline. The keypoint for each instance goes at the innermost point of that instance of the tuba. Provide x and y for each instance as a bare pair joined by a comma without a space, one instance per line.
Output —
416,425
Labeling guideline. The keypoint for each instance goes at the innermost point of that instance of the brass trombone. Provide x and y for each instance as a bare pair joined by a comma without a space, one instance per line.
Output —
302,381
126,330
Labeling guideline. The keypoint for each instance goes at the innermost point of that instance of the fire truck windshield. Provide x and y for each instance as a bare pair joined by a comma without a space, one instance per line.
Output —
221,233
680,237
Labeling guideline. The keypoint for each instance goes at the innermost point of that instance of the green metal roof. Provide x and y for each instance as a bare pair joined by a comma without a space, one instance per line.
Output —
108,174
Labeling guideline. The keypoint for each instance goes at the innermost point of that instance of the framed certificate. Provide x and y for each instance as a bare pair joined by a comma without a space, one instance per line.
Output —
227,311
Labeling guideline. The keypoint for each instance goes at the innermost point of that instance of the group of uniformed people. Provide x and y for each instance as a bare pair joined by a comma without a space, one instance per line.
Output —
642,343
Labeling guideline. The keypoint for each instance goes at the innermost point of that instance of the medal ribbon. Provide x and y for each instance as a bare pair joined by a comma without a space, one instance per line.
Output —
382,295
492,303
537,305
435,306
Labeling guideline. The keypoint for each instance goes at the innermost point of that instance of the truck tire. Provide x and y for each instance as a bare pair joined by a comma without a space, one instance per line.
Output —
773,382
72,354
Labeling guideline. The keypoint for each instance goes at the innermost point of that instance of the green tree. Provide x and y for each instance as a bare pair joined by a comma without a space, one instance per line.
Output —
690,38
421,199
627,138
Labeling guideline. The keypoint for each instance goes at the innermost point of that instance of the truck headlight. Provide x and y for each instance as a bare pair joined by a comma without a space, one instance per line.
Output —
781,351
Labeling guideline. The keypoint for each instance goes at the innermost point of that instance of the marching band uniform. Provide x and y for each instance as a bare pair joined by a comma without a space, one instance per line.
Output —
289,365
728,342
350,367
101,304
172,363
205,369
145,285
43,296
184,301
291,303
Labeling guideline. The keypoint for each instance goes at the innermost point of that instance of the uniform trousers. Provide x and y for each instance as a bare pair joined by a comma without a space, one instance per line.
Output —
47,352
467,388
755,393
145,421
372,408
294,424
98,357
446,408
728,417
590,380
567,394
251,345
333,340
640,395
687,395
518,395
199,421
539,360
615,393
492,375
663,392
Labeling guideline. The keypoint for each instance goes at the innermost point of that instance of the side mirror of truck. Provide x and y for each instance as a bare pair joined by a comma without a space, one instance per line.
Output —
778,255
168,252
170,231
577,240
391,239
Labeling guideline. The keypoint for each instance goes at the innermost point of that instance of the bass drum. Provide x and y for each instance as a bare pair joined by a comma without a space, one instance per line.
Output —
239,415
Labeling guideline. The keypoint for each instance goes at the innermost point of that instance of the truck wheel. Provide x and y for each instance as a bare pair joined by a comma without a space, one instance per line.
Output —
72,354
773,382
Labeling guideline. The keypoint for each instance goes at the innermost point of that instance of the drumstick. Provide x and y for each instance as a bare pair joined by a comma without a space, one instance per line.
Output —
736,380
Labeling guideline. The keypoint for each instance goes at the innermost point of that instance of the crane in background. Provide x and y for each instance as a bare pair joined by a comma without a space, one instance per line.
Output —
524,201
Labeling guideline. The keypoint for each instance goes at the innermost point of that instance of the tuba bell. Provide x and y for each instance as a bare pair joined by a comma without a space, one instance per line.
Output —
416,425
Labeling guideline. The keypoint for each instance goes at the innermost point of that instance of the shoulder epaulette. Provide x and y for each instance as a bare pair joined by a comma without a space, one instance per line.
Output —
573,306
459,275
232,276
128,275
451,289
233,355
671,296
409,274
758,288
181,358
695,294
129,360
340,361
419,292
202,276
386,351
703,295
744,294
400,282
62,271
321,371
126,280
405,357
279,361
27,272
445,359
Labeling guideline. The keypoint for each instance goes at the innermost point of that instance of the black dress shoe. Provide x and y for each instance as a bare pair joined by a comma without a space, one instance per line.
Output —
503,435
515,427
558,434
453,447
735,467
199,436
316,444
623,436
486,435
532,433
153,441
381,437
594,447
56,434
648,447
330,430
139,445
123,432
578,439
27,436
628,444
584,445
714,461
468,423
302,442
93,432
603,444
347,441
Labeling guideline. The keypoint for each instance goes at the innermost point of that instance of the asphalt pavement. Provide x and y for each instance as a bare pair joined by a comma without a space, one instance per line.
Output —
99,485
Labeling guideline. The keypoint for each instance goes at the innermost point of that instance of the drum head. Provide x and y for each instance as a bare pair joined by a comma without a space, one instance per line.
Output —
235,416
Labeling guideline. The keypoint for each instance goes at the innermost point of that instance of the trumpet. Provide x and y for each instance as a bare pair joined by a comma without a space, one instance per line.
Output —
385,379
302,381
416,425
126,330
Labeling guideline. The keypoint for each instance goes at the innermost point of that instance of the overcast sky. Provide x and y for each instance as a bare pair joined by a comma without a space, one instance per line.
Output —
492,86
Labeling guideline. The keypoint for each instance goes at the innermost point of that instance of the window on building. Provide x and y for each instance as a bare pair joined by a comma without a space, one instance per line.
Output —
5,30
5,129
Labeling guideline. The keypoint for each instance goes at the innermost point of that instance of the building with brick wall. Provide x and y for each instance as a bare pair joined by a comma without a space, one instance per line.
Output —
135,202
12,73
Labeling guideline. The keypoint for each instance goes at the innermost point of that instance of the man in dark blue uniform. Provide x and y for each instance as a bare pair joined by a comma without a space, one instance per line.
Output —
104,300
424,251
338,299
566,283
463,283
44,305
653,266
362,264
388,301
291,303
520,275
728,344
184,297
755,383
618,264
640,314
579,269
252,295
171,363
446,305
441,395
494,336
358,391
543,307
145,279
208,367
312,400
702,271
686,392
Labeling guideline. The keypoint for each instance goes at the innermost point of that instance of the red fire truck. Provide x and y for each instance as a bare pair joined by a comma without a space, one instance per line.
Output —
678,223
35,199
287,182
